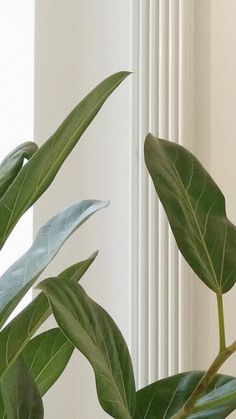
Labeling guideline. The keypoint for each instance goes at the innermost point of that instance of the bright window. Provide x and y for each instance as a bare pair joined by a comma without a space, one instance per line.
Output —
16,102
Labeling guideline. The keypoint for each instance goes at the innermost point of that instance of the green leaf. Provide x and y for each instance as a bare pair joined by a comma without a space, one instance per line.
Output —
13,162
46,356
36,176
76,271
16,335
195,207
20,395
95,334
16,281
164,398
2,409
218,403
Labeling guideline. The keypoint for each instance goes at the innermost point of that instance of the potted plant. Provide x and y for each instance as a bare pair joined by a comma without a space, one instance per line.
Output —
29,365
195,207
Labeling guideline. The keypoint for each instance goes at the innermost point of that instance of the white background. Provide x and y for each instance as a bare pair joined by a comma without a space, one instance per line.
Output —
16,102
78,44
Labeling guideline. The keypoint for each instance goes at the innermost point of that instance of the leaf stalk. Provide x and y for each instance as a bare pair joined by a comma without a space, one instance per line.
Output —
221,321
206,380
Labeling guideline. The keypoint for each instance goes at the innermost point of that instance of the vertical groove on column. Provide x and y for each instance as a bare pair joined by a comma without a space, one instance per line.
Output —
182,294
173,294
133,187
153,215
163,226
143,196
185,126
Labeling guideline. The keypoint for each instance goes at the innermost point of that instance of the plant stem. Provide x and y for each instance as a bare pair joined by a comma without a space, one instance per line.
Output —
223,355
208,377
221,321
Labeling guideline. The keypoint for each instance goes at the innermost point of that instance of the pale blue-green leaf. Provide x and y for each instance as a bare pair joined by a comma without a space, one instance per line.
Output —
36,176
94,333
20,395
195,207
13,162
16,281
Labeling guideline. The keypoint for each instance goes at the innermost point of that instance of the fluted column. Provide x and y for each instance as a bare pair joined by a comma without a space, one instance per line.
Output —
161,104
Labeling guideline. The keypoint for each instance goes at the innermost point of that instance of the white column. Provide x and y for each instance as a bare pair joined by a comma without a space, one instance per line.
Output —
161,290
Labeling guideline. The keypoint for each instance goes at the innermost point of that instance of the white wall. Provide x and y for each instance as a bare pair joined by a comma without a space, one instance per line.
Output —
78,45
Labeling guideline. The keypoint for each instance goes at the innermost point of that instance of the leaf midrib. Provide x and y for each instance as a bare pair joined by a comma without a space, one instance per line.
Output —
109,370
55,354
112,379
79,128
13,208
33,196
120,373
173,396
198,227
35,326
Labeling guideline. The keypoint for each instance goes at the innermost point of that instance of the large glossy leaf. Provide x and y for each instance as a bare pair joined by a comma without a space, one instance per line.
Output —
195,207
46,356
39,172
219,402
20,395
95,334
16,335
13,162
163,399
16,281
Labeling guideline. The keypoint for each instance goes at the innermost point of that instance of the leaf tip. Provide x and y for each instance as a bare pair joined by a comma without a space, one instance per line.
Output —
106,204
94,255
121,75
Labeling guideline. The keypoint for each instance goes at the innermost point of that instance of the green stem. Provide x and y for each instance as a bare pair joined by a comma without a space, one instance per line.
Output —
208,377
221,321
224,353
